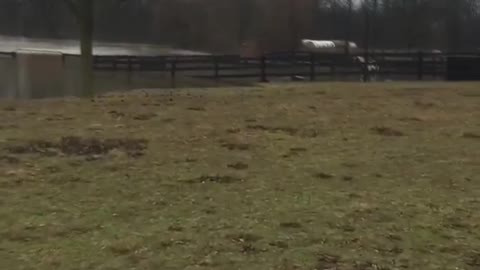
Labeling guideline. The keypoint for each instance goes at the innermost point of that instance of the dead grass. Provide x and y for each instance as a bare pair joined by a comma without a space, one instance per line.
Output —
315,176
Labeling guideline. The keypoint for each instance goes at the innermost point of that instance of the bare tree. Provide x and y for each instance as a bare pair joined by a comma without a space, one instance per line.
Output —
348,26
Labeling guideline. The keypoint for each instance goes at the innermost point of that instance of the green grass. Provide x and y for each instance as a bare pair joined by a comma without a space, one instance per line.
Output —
313,176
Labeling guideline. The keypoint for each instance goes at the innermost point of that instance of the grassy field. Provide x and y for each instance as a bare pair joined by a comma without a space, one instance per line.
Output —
314,176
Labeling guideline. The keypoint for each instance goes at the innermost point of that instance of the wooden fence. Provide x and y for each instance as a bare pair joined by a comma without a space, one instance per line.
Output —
296,65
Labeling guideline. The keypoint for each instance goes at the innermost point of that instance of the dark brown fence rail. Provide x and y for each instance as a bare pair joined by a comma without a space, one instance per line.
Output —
8,54
295,65
301,66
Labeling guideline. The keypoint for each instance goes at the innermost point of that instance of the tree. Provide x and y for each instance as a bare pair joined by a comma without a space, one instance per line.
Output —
348,26
83,11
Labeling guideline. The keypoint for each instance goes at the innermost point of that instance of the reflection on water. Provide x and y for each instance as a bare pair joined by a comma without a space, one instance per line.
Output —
12,70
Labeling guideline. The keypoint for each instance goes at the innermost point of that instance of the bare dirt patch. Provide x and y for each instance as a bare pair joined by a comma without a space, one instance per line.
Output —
236,146
9,108
322,175
327,261
238,166
295,151
116,114
196,109
81,146
471,135
144,116
291,225
287,130
304,133
387,131
218,179
9,160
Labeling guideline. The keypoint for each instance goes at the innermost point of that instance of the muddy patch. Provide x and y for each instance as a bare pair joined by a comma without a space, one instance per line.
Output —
77,146
9,109
233,130
238,166
236,146
246,241
309,133
144,116
367,265
34,147
191,160
327,261
244,237
322,175
116,114
279,244
305,133
175,228
196,109
9,160
287,130
58,117
168,120
295,151
291,225
388,132
424,104
410,119
11,126
473,260
471,135
469,94
217,179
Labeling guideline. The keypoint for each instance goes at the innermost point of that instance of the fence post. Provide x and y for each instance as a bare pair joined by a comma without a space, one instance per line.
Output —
312,66
173,70
293,61
366,75
332,68
420,65
263,68
129,75
216,68
129,61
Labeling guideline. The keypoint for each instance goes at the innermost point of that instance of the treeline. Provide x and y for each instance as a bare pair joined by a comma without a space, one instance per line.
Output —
222,25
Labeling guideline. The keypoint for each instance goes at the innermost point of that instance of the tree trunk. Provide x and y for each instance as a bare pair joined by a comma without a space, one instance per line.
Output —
348,25
86,20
